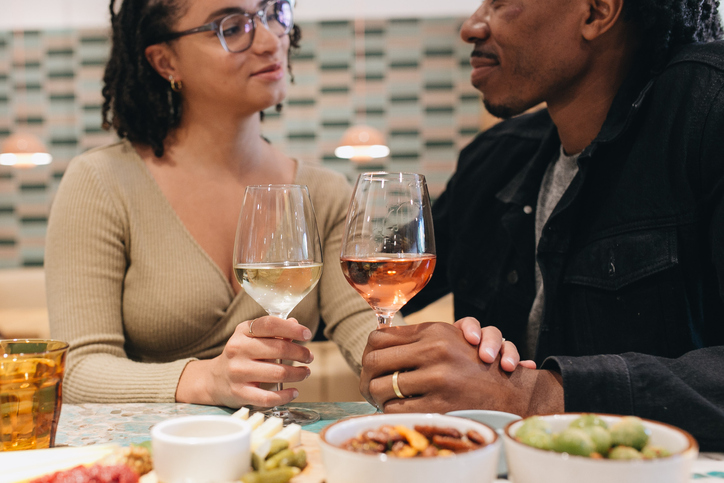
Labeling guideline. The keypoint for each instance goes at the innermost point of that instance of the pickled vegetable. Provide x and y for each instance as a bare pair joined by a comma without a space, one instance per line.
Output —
653,452
257,462
588,421
274,462
300,459
601,438
533,423
282,458
574,441
624,453
277,445
630,431
277,475
538,439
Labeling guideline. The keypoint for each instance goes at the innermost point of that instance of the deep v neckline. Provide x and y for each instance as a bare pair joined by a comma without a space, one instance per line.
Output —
157,188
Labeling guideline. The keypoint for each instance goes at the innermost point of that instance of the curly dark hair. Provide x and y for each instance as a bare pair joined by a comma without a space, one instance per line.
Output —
668,24
138,103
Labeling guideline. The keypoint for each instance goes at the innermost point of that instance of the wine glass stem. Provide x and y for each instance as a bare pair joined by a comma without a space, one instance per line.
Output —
384,321
281,315
279,384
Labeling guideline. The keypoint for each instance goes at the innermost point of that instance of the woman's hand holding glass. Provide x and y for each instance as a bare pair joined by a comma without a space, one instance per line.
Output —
249,357
232,378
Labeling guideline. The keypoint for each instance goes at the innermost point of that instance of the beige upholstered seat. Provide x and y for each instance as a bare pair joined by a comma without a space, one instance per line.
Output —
23,309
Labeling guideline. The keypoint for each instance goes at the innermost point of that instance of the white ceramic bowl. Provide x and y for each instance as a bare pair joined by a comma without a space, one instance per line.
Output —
497,420
531,465
343,466
201,449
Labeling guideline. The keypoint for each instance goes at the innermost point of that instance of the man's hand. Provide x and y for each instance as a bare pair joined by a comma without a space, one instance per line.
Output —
439,371
490,343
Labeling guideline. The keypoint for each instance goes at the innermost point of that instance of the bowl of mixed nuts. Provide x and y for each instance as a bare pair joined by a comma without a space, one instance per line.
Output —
390,448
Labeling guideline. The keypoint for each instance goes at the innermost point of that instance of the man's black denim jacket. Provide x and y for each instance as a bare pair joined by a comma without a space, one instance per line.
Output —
632,258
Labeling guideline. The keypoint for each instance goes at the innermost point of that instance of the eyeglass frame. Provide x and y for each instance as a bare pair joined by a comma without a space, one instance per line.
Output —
216,25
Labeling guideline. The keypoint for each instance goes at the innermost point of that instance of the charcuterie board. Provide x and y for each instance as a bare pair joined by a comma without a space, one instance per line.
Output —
314,472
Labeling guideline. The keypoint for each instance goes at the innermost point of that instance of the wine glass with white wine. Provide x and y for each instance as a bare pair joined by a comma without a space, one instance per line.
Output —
388,249
278,259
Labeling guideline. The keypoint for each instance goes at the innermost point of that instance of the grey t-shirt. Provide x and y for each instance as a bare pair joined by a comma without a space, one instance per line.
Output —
555,182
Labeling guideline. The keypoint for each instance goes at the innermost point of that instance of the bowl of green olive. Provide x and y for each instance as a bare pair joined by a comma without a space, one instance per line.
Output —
597,448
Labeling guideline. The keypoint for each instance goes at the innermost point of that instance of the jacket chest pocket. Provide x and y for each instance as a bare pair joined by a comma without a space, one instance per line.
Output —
615,262
626,293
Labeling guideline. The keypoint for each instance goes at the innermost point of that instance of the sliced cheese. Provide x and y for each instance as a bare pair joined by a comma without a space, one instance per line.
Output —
270,427
262,449
292,434
264,432
255,420
242,413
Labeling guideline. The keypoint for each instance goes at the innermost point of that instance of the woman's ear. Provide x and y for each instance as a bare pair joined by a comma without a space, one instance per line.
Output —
162,59
603,15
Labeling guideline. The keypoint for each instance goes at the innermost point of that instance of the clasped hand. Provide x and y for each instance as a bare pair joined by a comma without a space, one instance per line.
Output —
444,367
234,378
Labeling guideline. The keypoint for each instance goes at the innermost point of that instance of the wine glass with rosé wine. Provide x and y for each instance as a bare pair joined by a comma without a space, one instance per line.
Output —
388,249
278,259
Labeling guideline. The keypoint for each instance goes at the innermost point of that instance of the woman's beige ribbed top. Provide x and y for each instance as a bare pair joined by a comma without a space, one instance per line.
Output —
137,297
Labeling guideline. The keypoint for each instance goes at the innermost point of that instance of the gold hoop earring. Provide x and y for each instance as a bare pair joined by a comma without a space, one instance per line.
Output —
176,86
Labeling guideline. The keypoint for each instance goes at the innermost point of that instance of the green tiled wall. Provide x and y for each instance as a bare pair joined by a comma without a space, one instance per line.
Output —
411,81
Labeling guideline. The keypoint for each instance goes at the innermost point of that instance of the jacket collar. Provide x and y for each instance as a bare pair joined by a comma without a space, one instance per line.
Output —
627,103
523,188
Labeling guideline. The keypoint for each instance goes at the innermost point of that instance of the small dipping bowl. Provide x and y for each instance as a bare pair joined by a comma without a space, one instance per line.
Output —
497,420
201,449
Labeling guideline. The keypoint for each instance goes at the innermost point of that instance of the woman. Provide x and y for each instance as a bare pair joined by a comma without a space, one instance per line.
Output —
139,245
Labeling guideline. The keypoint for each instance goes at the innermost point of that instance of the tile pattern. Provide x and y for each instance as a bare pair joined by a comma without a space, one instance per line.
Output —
407,77
124,424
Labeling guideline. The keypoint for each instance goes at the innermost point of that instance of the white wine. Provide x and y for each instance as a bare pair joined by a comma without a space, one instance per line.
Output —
278,287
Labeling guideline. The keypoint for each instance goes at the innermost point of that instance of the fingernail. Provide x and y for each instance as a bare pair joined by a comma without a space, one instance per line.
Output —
296,394
309,373
311,358
490,352
476,336
509,361
307,334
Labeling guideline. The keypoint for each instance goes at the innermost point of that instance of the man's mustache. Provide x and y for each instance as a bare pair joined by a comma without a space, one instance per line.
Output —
484,54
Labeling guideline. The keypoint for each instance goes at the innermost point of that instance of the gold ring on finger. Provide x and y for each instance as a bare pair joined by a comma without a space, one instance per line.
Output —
395,387
251,325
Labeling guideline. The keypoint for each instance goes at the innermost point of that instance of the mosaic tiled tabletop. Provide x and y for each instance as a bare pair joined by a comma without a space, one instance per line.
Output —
85,424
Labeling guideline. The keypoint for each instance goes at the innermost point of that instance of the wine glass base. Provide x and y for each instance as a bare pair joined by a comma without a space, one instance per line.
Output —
300,416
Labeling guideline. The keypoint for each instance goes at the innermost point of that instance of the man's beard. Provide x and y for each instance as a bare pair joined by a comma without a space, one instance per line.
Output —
501,111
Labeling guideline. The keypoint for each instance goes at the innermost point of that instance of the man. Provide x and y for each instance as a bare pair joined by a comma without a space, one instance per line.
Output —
590,233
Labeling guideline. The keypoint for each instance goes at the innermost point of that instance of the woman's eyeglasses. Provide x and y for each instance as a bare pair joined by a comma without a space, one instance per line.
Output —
236,31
